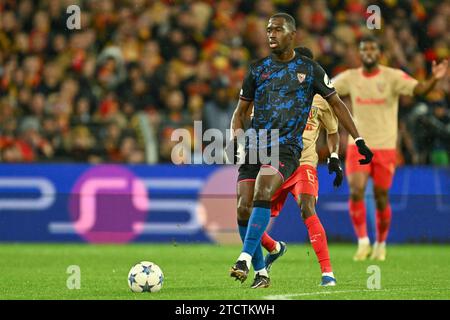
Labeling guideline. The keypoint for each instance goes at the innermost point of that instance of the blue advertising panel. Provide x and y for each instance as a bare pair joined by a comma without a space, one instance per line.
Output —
166,203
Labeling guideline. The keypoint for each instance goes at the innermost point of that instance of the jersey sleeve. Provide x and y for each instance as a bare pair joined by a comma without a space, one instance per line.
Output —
403,83
341,83
248,86
327,117
322,83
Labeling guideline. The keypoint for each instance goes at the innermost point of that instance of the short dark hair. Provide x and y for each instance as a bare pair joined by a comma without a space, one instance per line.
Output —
288,18
368,38
304,51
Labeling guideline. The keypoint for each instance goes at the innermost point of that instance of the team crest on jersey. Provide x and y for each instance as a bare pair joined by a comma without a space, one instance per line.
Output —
381,86
301,77
313,112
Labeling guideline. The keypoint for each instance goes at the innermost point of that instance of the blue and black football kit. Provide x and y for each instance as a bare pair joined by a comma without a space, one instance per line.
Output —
282,94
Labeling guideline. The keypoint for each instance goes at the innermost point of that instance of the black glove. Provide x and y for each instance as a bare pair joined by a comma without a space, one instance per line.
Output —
364,150
334,165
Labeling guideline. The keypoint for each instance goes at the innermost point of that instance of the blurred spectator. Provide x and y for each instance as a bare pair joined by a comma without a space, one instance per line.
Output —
78,95
431,125
129,151
219,110
80,144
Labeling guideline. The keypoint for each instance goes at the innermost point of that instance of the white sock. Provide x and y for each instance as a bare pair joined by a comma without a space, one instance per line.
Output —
277,248
262,272
363,241
329,274
246,257
380,244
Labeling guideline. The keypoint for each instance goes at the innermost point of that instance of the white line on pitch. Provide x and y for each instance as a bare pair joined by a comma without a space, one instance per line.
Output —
304,294
288,296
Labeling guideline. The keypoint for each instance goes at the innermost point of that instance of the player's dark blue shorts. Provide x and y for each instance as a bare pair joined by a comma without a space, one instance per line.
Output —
288,163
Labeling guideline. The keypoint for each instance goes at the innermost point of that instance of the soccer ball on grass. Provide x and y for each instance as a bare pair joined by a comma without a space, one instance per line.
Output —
145,277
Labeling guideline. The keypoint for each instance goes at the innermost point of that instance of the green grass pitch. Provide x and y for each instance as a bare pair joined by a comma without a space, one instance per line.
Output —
194,271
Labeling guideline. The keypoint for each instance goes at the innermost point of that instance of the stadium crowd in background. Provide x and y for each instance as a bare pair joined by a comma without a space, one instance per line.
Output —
115,90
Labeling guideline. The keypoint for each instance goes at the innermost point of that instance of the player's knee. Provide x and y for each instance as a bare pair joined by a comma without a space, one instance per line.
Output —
307,209
356,194
244,211
265,194
381,199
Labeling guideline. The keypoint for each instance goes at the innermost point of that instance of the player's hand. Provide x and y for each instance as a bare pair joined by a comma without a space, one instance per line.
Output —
364,150
229,151
439,70
334,165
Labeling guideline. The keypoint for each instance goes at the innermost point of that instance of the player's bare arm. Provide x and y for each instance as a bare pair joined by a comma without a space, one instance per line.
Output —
239,123
438,71
240,117
333,142
343,114
334,164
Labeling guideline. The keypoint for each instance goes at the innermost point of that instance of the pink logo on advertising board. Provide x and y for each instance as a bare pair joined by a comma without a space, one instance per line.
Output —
108,204
218,205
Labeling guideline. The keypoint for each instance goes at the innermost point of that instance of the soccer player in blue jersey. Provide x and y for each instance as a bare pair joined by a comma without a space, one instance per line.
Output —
281,88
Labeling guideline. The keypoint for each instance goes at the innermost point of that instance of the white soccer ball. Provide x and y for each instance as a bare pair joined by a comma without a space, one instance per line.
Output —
145,277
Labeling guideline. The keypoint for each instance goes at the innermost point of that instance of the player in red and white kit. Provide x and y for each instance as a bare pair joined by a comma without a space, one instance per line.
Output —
374,91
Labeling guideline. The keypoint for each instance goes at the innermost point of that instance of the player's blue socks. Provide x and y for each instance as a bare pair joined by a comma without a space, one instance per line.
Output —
258,258
259,219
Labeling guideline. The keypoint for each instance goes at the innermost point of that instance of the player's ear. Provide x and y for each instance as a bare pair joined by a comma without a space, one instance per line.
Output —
293,34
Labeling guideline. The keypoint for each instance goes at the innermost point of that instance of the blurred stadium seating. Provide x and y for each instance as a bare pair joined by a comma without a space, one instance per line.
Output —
115,90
